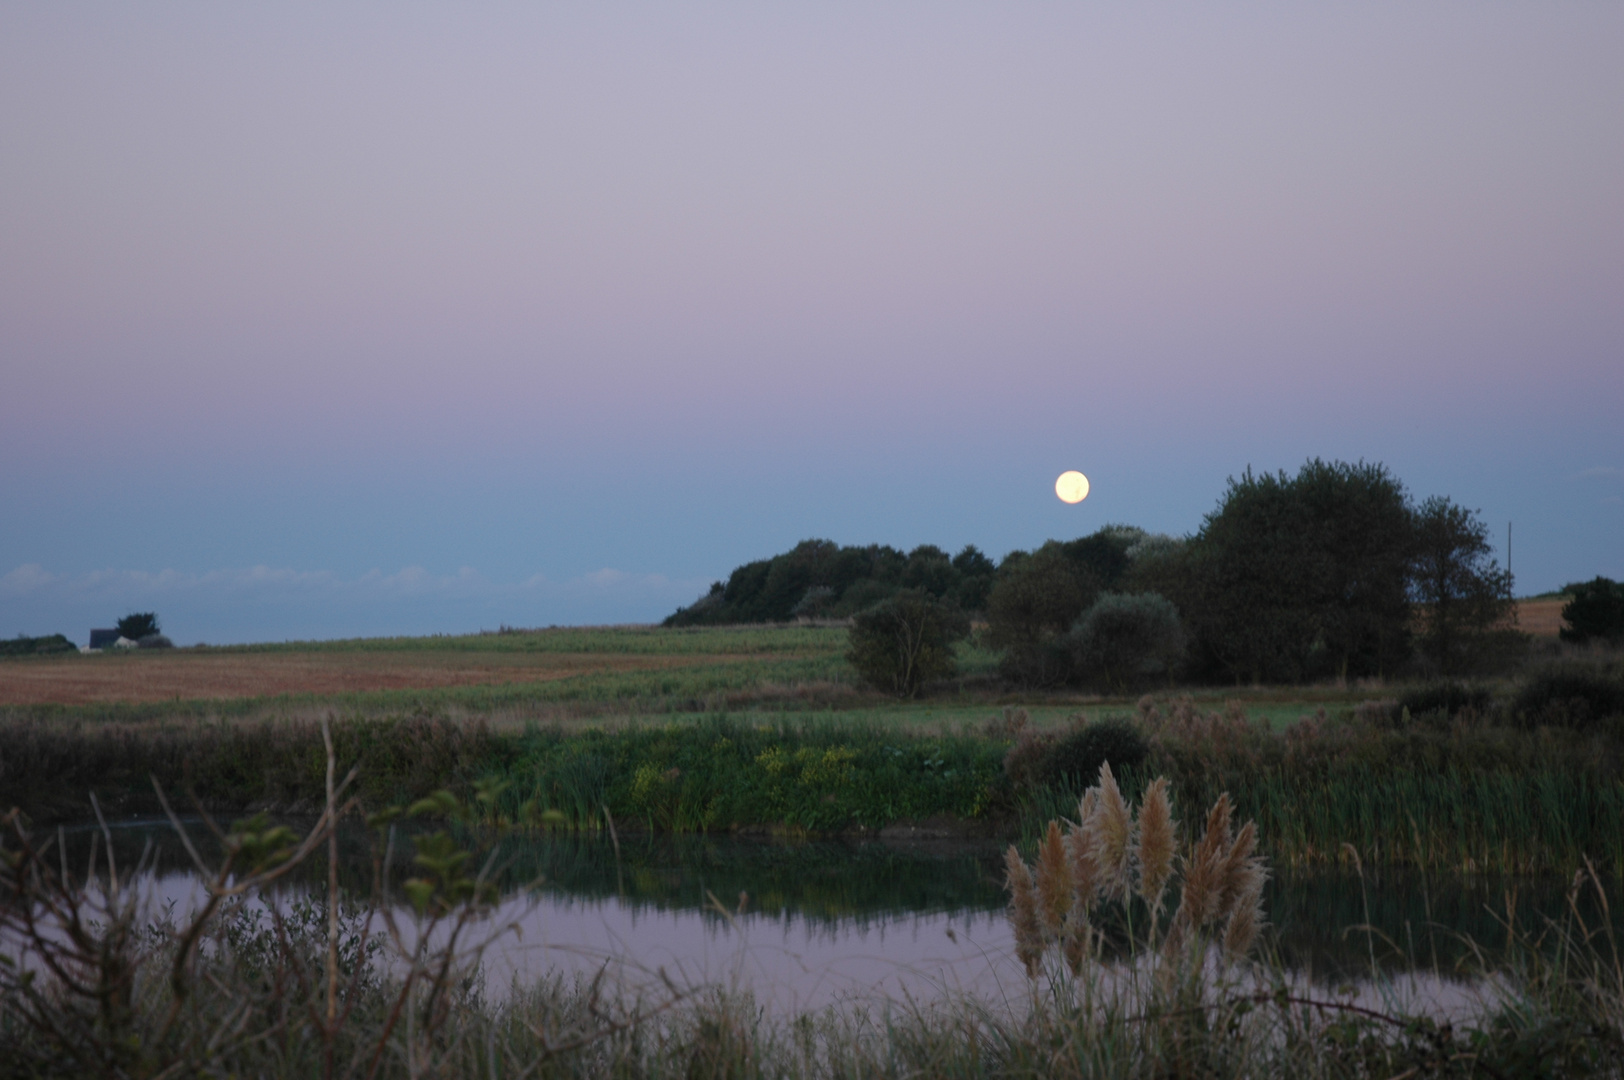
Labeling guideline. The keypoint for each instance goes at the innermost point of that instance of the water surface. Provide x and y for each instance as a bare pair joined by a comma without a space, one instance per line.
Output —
805,924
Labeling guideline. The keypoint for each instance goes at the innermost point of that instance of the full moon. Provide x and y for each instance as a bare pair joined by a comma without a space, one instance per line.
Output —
1072,487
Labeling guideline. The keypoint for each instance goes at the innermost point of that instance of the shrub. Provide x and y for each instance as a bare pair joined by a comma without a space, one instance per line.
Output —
1123,640
902,643
1027,762
815,604
1078,755
154,641
22,645
1448,698
1596,612
1570,697
1036,664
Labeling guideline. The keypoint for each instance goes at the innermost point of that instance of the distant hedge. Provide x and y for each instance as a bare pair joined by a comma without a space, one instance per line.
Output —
36,646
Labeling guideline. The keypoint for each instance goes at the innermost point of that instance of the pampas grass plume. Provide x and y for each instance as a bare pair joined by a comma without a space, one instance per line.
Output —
1238,869
1157,840
1053,881
1110,830
1203,891
1246,918
1023,912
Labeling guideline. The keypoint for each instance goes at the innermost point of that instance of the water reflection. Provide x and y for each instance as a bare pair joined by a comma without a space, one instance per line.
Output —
820,921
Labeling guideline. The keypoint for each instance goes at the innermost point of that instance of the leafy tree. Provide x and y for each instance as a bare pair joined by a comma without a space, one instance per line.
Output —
976,575
1461,591
1104,553
930,570
1123,641
1034,600
1596,611
1292,577
1037,597
903,642
138,625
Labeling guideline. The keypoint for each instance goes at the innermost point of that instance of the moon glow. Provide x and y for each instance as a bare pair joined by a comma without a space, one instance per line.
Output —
1072,487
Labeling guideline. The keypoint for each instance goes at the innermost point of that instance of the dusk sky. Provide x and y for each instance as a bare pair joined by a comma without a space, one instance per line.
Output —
323,320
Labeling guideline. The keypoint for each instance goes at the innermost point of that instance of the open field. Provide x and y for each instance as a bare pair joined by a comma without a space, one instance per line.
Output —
501,670
207,675
1542,618
558,675
647,668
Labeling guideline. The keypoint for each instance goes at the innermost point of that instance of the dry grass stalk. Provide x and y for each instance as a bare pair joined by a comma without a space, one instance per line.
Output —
1110,829
1157,840
1053,881
1023,912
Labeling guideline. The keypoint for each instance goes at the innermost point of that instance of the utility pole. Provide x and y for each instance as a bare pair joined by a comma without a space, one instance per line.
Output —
1508,549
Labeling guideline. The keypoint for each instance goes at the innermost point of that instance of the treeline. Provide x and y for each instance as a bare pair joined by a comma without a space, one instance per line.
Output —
1333,572
819,579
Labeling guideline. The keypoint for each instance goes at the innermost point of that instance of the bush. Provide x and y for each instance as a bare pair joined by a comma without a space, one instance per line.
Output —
154,641
902,643
1124,641
1596,612
36,646
1570,697
1037,665
1447,698
1077,756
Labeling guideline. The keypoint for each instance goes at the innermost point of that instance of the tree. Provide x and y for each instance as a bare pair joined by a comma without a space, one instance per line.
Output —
1123,641
138,625
1037,597
1104,553
976,575
1596,611
901,643
1033,602
1462,593
1293,577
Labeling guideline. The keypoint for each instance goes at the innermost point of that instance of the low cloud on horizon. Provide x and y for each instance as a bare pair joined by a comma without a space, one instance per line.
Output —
263,603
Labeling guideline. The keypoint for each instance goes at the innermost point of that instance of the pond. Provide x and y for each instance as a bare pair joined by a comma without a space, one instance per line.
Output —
807,924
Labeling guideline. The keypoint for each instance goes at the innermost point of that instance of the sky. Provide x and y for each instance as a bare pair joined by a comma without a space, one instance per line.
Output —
330,320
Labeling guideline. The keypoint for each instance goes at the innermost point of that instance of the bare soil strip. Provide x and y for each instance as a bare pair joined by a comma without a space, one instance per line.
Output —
187,675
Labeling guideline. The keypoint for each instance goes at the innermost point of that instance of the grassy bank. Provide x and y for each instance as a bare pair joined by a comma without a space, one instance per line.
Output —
1474,799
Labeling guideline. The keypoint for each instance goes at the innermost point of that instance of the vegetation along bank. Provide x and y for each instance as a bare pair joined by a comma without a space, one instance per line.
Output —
1526,778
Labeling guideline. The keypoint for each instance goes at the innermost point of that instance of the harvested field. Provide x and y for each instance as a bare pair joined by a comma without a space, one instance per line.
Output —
201,675
1542,618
